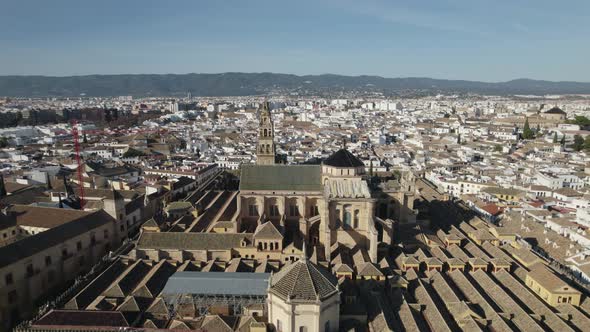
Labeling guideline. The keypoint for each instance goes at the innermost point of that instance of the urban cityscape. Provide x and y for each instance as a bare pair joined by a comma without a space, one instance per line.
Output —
254,201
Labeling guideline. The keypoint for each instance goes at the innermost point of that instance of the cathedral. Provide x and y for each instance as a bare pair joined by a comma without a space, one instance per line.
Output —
325,208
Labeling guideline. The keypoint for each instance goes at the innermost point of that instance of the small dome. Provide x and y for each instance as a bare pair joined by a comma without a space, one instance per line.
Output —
555,110
343,159
304,281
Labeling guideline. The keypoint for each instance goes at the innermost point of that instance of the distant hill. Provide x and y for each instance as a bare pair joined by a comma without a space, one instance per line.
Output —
242,84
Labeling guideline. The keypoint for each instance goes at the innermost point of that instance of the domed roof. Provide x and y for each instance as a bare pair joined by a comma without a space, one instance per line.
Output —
343,158
555,110
304,281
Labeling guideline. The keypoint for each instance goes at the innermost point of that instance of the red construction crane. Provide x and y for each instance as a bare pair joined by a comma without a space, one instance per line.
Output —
77,149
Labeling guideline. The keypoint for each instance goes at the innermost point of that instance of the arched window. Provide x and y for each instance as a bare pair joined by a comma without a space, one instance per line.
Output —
265,132
356,218
347,216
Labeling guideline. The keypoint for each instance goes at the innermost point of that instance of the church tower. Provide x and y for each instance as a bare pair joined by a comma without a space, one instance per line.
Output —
265,151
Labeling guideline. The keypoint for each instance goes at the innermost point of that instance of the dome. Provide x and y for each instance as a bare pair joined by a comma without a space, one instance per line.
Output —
555,110
304,281
343,159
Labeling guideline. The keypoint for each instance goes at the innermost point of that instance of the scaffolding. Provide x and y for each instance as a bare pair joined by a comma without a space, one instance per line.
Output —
203,303
204,290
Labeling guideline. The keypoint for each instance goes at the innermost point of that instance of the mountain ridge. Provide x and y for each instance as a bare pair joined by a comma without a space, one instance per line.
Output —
242,84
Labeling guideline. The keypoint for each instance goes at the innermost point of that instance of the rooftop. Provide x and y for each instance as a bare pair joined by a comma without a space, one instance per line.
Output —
281,178
343,158
217,283
304,281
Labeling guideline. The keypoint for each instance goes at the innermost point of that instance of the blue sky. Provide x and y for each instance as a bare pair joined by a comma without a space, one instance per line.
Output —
488,40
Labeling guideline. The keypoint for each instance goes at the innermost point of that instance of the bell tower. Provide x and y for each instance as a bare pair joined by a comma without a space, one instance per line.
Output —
265,151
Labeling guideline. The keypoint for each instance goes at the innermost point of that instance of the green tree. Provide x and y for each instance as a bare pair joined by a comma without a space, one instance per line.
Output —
578,143
562,142
587,143
580,120
527,133
3,142
498,148
555,137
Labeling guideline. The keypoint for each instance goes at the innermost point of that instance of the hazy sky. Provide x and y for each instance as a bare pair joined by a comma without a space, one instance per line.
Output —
489,40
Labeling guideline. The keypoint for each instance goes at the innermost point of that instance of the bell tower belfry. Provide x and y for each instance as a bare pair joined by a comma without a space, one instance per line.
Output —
265,151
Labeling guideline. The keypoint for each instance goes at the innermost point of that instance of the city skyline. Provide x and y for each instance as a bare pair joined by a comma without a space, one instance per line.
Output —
302,166
451,40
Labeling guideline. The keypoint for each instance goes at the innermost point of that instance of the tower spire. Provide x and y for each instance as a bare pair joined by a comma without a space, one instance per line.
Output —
265,150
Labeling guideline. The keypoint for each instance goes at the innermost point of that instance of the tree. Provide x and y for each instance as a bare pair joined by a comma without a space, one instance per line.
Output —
3,142
580,121
555,137
527,133
587,143
562,142
578,143
498,148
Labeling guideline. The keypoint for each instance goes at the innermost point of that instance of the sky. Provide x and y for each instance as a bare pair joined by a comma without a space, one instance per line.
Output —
484,40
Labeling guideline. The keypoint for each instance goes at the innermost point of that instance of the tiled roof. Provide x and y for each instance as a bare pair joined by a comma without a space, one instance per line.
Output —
267,231
343,158
281,178
44,217
92,291
304,281
192,241
150,223
83,318
54,236
555,110
548,279
368,269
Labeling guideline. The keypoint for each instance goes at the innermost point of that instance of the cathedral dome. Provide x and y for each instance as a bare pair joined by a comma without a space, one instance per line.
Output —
343,159
304,281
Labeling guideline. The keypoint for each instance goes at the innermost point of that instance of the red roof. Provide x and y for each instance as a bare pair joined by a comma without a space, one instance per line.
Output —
561,209
536,204
492,209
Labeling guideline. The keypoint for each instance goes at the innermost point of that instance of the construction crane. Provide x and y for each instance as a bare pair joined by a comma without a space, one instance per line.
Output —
76,136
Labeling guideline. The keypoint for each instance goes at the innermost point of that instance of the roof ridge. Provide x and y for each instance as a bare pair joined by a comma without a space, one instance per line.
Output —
294,283
325,277
313,284
55,208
